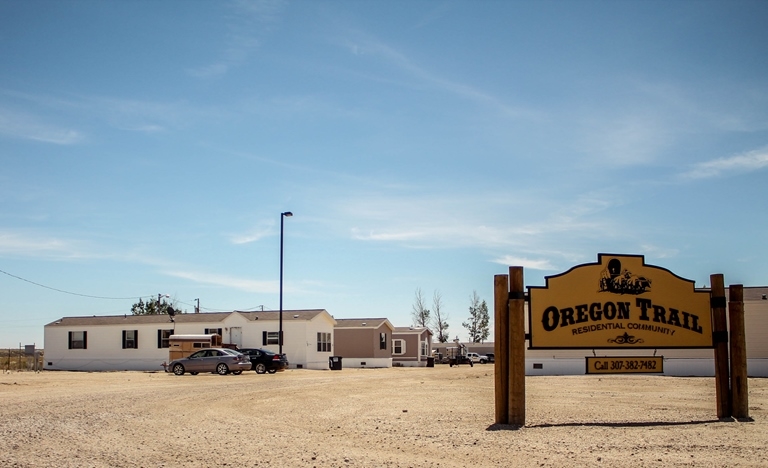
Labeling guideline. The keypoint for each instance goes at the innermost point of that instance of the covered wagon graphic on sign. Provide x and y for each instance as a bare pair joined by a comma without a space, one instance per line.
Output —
616,280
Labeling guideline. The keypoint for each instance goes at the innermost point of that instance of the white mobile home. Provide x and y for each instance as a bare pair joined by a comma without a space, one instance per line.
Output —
141,342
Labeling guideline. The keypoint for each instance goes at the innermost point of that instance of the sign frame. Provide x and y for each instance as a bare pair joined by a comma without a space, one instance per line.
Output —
605,305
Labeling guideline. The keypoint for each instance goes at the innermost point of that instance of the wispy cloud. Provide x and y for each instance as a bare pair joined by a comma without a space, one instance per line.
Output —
365,45
472,221
253,235
24,126
41,245
249,20
540,264
138,115
746,162
625,140
134,115
24,244
213,279
658,252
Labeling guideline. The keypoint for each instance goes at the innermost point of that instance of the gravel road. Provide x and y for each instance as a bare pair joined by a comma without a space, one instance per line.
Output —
399,417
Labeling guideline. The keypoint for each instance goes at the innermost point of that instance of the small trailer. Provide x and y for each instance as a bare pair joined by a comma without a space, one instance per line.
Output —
456,355
181,346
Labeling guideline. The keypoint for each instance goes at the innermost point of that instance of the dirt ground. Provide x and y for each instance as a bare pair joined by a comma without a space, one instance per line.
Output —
399,417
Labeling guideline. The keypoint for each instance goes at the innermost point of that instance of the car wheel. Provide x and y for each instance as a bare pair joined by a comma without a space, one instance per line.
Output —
483,361
222,369
193,373
178,369
237,372
261,368
272,371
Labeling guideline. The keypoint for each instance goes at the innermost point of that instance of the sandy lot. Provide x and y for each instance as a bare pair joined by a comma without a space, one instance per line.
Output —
400,417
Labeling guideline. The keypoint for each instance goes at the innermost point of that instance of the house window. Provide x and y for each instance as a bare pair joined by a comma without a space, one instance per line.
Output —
382,341
78,340
211,331
424,348
270,338
163,337
323,342
398,346
130,339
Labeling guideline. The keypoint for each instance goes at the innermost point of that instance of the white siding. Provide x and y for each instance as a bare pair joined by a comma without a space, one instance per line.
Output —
105,349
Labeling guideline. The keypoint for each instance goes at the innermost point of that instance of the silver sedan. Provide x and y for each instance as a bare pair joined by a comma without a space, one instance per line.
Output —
219,360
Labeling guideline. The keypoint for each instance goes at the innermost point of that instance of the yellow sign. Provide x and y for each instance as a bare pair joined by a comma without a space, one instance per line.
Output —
625,365
618,302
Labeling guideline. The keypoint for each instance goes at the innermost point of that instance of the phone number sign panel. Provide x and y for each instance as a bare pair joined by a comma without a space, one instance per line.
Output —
625,365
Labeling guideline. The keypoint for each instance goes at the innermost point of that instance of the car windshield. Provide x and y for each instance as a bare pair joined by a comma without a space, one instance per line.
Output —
233,352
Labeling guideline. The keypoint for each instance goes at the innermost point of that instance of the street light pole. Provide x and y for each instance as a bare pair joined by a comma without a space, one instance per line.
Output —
287,214
160,296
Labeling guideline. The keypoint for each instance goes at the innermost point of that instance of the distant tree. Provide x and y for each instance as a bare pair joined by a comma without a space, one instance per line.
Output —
153,307
440,319
420,313
478,323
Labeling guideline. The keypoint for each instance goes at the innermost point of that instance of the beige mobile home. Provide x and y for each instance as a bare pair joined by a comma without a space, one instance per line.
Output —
364,342
411,346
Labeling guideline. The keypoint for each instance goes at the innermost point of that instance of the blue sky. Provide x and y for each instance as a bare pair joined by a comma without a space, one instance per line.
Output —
150,147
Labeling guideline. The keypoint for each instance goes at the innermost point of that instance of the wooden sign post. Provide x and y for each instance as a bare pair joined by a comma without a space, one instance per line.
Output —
739,393
516,347
509,347
720,339
501,346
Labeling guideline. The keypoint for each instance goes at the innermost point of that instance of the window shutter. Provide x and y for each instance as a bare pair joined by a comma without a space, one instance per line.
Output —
135,339
123,339
70,340
159,338
264,338
85,340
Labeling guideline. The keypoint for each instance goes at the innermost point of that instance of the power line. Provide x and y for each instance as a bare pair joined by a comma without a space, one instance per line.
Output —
72,293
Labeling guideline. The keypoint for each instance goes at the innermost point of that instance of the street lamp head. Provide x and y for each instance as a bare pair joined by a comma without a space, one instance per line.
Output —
287,214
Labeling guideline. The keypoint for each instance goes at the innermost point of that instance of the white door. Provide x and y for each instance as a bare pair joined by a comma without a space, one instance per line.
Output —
236,335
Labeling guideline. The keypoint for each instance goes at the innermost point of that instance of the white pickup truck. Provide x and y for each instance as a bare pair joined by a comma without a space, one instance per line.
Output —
475,357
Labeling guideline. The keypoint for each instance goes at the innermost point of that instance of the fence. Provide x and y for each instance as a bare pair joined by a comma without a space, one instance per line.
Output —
15,359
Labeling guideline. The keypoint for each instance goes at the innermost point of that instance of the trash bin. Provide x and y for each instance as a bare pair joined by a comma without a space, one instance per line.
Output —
430,362
334,362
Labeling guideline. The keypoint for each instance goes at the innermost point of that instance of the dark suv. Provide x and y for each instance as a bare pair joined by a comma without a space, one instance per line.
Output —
265,361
